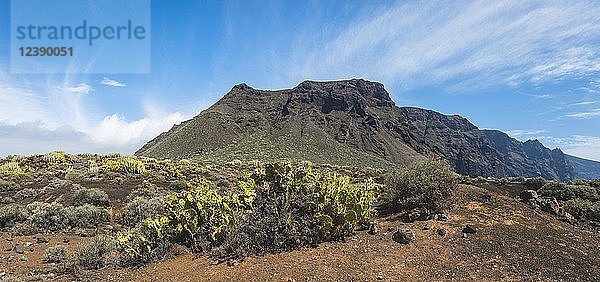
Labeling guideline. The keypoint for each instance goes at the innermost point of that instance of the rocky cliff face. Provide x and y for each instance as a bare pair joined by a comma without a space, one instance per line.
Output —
531,158
351,122
585,169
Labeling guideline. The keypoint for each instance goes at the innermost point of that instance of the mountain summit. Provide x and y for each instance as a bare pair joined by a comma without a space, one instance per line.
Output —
350,122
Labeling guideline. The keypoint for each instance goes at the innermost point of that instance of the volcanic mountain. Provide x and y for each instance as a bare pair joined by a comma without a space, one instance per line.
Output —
356,123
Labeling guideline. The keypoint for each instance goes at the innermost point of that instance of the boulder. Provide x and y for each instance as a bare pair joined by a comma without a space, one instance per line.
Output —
549,204
528,196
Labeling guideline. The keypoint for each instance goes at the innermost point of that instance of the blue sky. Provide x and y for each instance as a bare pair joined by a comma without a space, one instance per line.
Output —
530,68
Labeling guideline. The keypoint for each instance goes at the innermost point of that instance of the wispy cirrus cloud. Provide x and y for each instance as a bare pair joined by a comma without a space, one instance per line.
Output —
584,115
583,103
111,82
81,88
478,43
578,145
53,116
524,134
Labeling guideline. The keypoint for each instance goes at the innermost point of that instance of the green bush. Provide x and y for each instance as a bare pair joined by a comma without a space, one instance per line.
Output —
55,254
11,213
26,194
93,255
46,216
147,242
564,192
275,207
594,212
92,196
53,216
579,208
535,183
298,206
139,209
126,164
427,185
10,168
86,216
55,157
594,183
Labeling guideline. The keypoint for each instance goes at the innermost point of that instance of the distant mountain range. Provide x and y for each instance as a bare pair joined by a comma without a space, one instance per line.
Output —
354,122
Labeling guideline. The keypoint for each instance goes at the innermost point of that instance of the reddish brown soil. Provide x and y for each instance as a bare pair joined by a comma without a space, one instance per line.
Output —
513,242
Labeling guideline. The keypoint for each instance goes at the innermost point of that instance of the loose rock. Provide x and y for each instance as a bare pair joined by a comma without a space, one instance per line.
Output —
18,250
373,229
403,236
469,229
420,214
442,232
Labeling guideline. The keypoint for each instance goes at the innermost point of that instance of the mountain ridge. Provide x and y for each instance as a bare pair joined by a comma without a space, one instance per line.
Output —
350,122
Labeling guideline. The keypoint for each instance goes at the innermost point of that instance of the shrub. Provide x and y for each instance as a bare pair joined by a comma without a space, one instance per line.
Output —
594,183
297,206
586,192
139,209
535,183
93,168
93,255
46,216
11,213
565,192
92,196
201,215
10,168
86,216
55,254
594,212
25,194
148,242
55,157
579,182
53,216
275,207
127,165
428,185
578,207
557,190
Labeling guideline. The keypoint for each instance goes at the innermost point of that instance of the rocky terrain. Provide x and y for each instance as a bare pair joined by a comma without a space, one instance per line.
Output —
325,181
354,122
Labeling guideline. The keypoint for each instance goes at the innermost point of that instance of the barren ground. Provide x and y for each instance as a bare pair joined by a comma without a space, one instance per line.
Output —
513,242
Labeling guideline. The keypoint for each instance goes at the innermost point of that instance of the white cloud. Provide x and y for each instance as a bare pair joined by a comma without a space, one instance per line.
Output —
81,88
110,82
584,115
115,130
523,135
584,103
423,42
578,145
31,122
